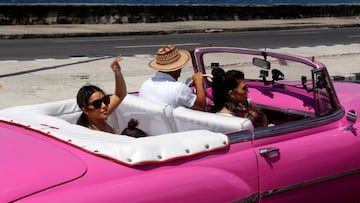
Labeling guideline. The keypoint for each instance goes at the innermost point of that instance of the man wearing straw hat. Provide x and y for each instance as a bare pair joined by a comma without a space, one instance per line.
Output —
164,87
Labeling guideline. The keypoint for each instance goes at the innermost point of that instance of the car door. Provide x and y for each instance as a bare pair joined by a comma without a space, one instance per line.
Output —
316,164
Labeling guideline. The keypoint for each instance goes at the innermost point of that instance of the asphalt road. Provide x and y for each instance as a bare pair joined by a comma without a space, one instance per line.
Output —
28,49
58,75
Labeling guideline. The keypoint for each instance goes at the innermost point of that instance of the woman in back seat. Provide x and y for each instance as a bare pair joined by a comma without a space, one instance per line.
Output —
96,106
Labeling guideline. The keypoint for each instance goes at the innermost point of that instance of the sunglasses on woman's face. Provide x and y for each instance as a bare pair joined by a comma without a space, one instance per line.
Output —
245,88
97,103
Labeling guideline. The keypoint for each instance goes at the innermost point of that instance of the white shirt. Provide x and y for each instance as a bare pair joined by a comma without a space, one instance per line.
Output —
164,88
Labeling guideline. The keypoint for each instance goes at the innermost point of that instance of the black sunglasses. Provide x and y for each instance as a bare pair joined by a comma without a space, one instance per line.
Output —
97,103
246,88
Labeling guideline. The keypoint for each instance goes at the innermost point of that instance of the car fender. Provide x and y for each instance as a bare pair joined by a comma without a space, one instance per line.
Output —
184,184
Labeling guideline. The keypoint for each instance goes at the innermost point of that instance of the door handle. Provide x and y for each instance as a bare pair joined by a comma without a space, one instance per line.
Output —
266,152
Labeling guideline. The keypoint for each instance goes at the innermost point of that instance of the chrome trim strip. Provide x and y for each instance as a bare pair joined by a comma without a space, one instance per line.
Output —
308,183
302,124
250,199
242,136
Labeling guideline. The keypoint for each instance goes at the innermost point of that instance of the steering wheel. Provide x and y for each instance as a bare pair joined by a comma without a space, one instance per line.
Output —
209,77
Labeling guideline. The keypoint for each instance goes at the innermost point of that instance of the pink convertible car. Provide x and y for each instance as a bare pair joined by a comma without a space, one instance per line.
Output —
308,154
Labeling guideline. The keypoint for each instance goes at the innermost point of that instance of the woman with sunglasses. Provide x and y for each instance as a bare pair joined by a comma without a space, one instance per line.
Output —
96,106
229,92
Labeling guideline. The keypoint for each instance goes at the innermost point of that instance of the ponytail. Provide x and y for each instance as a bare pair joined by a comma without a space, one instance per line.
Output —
83,120
218,89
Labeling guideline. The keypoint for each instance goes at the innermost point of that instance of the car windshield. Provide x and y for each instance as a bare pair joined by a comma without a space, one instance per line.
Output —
292,73
276,80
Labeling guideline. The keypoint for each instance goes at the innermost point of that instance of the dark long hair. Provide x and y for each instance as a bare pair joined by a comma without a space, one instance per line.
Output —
82,100
222,84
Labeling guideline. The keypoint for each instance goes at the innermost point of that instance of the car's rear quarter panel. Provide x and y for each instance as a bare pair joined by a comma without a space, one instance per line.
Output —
221,176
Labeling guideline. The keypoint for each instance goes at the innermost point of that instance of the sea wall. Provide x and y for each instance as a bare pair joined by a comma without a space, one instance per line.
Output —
27,14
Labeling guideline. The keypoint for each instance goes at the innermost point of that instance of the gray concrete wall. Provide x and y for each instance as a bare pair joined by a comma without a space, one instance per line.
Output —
27,14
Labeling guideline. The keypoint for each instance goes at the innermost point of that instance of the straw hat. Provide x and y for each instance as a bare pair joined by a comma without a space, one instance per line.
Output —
169,58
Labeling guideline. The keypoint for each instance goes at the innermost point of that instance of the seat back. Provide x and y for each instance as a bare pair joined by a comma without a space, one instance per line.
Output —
188,119
154,117
66,109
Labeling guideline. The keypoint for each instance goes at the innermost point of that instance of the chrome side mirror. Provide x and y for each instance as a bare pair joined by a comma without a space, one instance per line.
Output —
351,116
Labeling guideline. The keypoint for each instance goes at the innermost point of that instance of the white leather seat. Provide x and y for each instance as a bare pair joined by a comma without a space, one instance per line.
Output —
154,117
188,119
66,109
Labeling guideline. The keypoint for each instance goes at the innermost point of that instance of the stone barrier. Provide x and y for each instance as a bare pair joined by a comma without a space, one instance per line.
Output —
30,14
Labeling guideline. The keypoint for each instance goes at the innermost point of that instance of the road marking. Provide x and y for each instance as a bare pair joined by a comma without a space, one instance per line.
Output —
354,36
44,60
92,40
154,45
298,33
9,61
80,57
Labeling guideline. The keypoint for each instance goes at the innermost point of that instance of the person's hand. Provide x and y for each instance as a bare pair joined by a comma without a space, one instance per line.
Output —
197,78
115,64
200,102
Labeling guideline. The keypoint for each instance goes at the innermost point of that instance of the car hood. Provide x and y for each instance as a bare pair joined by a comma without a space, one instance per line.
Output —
348,94
30,164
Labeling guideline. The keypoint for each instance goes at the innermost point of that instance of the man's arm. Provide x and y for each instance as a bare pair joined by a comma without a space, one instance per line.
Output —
200,102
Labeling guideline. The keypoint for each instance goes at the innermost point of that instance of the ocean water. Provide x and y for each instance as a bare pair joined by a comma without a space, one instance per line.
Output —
267,2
